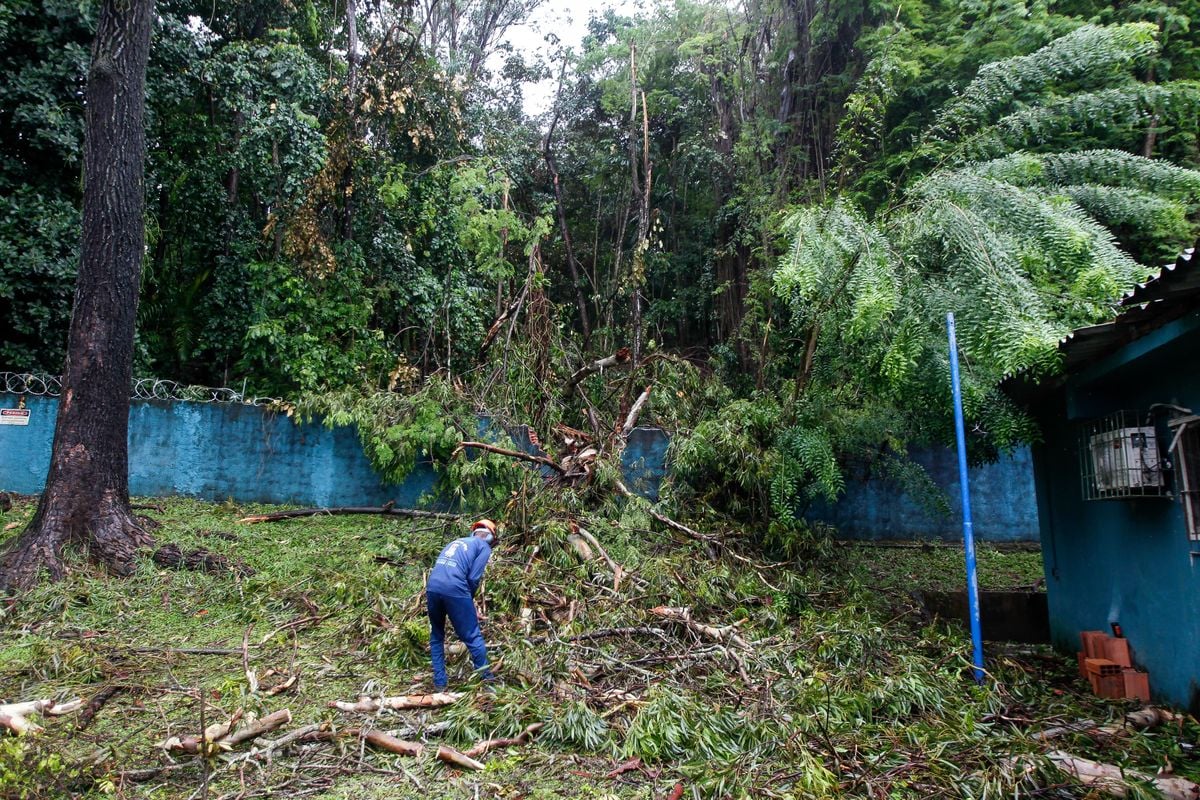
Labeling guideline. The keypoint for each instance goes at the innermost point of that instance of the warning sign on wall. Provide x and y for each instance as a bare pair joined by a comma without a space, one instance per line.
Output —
14,416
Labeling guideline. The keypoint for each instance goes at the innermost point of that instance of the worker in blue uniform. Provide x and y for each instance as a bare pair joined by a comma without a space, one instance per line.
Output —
450,592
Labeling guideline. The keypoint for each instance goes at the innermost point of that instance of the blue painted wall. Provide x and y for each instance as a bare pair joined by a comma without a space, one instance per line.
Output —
1124,560
223,451
1003,503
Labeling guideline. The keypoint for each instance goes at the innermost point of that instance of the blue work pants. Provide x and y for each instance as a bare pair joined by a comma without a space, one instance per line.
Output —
461,611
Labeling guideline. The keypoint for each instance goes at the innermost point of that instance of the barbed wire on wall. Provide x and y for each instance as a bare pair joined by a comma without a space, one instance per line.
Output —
143,389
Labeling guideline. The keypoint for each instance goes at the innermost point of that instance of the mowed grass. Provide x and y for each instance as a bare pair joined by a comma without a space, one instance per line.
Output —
941,567
842,693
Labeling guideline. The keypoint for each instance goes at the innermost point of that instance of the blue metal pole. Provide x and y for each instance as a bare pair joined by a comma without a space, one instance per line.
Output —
968,528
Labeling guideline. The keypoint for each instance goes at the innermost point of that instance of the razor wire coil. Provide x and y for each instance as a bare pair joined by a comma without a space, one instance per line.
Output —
41,385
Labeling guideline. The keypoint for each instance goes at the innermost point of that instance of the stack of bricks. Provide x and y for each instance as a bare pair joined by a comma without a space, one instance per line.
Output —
1104,661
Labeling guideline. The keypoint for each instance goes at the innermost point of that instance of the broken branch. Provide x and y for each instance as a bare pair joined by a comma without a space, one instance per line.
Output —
724,635
577,377
255,729
492,744
503,451
316,512
15,716
635,411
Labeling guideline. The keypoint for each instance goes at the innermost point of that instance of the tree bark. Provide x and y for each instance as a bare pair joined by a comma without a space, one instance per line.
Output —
86,500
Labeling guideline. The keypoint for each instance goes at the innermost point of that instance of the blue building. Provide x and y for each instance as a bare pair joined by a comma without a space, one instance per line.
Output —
1117,478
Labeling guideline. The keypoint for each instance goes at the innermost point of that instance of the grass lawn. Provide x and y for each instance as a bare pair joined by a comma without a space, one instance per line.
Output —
840,693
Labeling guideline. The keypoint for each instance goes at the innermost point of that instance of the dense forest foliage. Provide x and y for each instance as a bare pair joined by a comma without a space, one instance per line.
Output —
772,204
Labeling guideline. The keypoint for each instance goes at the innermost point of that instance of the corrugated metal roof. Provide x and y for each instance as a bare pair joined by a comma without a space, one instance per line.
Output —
1170,294
1182,277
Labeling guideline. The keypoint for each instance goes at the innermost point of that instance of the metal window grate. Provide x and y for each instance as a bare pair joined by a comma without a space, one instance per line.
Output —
1119,457
1185,449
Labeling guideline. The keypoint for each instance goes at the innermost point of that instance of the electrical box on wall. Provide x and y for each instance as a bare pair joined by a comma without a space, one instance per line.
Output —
1126,458
1120,458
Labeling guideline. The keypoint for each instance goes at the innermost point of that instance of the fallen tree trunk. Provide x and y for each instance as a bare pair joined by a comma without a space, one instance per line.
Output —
15,716
1112,780
492,744
316,512
369,705
460,760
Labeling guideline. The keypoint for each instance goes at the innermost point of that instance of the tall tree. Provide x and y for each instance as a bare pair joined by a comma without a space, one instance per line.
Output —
86,500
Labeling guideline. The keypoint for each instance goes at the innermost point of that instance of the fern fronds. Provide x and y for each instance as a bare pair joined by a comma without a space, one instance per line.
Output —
1114,168
1122,107
1091,52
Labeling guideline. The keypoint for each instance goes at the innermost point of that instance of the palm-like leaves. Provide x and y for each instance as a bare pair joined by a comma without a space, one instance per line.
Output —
1020,245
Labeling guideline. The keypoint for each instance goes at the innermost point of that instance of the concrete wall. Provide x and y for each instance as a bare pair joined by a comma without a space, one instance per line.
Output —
1003,505
219,451
224,451
1125,560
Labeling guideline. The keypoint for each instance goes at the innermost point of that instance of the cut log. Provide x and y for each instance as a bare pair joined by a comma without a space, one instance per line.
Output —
333,512
725,635
15,716
369,705
385,741
1112,780
255,729
460,760
492,744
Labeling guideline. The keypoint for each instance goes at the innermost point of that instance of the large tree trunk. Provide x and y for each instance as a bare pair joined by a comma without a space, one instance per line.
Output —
86,500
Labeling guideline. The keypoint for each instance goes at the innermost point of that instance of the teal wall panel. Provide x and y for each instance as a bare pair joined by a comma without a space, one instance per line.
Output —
1126,560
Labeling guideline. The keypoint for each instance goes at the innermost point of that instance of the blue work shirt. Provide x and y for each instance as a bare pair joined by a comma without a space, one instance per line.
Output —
459,567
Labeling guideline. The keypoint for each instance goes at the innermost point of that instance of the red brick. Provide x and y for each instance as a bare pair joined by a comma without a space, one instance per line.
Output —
1118,650
1137,684
1102,666
1111,686
1093,643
